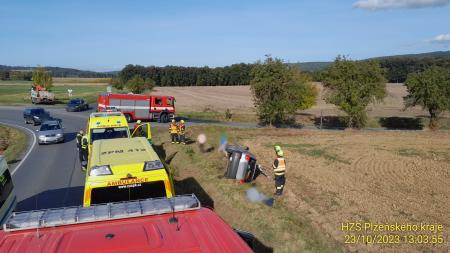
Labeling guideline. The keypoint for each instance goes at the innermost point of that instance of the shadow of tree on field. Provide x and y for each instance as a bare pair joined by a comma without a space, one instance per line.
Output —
331,122
401,123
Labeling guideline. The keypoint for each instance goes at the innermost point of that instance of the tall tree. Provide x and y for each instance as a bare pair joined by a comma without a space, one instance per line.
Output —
279,91
136,84
352,86
43,78
431,90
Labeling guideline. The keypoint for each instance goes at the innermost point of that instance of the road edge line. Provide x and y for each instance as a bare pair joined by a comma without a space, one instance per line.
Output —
29,150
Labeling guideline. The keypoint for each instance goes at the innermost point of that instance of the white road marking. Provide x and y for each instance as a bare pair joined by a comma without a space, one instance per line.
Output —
29,150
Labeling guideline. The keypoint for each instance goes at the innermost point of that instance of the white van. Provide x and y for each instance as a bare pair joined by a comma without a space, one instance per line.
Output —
8,198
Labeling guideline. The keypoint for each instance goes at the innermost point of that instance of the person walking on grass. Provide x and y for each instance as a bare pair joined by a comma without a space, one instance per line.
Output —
279,169
173,130
182,132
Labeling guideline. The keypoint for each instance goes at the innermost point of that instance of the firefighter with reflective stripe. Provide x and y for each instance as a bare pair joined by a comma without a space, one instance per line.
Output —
279,169
84,153
173,130
181,132
78,138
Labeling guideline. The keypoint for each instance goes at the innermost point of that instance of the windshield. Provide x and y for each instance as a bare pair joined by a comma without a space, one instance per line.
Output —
75,102
46,127
108,133
37,111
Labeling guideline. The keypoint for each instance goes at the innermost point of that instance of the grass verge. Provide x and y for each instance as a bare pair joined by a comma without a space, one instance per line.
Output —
277,228
12,142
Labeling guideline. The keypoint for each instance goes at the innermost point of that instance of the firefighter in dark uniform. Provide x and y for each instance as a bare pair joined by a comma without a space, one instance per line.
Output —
84,153
279,169
182,132
78,138
173,130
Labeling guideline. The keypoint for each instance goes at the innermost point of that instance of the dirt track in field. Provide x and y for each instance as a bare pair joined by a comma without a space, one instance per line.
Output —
379,177
239,98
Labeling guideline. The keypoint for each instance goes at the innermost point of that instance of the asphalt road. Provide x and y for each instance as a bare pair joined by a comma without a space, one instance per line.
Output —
49,176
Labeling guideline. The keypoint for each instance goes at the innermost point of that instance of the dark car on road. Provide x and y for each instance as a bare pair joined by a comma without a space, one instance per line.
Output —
36,116
76,105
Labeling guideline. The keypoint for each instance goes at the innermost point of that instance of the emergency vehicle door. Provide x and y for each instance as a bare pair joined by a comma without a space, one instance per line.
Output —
142,109
143,130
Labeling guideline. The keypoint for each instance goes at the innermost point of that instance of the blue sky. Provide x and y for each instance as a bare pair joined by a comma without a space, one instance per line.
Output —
106,35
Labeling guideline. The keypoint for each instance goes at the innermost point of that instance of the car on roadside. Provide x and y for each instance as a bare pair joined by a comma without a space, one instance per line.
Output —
36,115
77,105
51,131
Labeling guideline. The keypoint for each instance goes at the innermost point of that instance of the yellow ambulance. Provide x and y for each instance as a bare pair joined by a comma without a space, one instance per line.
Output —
112,125
123,170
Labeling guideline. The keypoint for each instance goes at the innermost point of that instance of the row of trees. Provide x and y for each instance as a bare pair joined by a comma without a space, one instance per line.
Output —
25,74
236,74
280,90
15,75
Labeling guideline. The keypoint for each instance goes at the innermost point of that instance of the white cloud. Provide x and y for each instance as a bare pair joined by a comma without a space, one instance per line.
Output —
442,38
391,4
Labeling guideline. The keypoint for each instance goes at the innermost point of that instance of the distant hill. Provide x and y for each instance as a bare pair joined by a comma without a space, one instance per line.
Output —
318,66
312,66
62,72
436,54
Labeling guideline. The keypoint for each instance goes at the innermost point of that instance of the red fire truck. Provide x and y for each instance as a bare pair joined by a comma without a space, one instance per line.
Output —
136,106
178,224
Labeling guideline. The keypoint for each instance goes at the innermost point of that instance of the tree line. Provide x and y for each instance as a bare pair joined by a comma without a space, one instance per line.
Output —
236,74
25,73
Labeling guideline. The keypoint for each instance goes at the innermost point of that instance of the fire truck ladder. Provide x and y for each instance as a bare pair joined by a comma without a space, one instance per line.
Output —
111,211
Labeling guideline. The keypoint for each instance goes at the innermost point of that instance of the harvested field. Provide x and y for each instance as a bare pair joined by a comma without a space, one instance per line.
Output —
333,177
239,99
379,177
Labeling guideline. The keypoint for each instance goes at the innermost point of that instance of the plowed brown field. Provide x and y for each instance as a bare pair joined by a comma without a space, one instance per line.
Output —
363,176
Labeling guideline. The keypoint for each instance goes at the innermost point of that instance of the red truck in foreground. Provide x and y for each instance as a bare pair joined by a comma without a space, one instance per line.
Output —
178,224
136,106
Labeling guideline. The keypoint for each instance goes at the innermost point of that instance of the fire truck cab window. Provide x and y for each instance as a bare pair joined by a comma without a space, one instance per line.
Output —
158,101
108,133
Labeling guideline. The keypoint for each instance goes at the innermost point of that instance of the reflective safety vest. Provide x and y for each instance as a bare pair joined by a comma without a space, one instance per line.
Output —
181,128
173,128
279,166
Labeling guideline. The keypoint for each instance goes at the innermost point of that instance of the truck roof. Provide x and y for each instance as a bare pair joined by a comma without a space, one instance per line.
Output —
107,119
122,151
196,230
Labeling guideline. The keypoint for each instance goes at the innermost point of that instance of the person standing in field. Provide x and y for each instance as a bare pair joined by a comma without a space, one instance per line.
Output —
173,130
182,132
279,169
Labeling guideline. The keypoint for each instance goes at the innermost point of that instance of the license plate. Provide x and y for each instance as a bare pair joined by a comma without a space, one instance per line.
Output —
129,186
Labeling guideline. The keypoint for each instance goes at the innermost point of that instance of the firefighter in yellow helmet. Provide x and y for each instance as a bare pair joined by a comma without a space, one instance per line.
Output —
173,130
182,132
279,169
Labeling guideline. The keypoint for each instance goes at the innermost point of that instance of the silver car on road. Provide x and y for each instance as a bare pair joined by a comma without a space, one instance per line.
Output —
51,132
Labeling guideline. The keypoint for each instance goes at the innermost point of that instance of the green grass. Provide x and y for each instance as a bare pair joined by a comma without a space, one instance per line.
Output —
277,228
311,150
12,142
441,155
20,93
217,116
